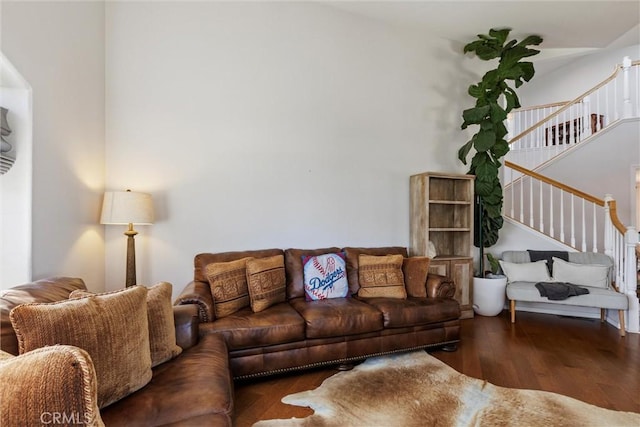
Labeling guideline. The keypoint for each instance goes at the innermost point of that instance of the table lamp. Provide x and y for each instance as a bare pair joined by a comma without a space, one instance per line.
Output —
128,208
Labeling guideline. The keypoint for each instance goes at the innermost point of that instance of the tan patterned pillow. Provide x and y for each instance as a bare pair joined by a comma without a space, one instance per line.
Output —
266,281
162,328
111,327
228,282
381,276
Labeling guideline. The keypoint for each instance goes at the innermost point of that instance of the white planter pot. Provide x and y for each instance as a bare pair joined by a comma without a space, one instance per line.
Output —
489,295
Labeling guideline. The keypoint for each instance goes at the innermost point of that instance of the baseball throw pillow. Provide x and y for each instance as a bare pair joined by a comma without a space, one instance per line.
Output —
325,276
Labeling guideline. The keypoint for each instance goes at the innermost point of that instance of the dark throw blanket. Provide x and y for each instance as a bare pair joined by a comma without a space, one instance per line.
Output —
557,291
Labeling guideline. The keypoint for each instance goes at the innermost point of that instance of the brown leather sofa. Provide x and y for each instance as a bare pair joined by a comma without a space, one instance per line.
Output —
300,334
194,388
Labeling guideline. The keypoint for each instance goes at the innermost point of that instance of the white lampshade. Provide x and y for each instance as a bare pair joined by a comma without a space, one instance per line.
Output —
127,207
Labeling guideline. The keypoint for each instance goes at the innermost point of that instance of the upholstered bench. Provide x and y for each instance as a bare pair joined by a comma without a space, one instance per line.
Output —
589,270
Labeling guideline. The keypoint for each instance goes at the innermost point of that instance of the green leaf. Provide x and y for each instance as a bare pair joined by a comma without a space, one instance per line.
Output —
476,91
490,228
484,140
463,152
500,148
512,73
487,52
490,78
475,115
486,125
527,70
515,54
493,210
531,40
509,45
486,173
512,100
497,114
501,131
471,47
500,35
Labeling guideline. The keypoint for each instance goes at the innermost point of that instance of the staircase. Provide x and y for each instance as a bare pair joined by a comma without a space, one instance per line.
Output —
550,137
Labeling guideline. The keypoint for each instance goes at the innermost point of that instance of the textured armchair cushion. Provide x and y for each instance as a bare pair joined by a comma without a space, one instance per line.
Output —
381,276
112,327
46,384
228,281
162,328
266,281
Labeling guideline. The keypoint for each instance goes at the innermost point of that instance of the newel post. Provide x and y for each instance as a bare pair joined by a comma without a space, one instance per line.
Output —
626,92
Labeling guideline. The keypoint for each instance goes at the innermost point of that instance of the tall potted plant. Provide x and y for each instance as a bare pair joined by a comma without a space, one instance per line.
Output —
495,98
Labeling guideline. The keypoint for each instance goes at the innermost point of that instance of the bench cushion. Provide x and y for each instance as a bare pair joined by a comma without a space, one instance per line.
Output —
597,297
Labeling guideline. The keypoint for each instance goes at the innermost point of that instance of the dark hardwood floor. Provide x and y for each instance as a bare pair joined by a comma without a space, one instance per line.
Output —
581,358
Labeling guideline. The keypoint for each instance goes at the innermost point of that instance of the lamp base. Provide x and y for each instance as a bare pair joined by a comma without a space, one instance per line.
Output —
131,256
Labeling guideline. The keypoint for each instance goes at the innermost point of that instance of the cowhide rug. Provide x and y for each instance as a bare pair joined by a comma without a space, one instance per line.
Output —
416,389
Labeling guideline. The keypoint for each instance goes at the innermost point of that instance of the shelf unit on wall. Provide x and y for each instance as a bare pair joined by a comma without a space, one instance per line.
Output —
442,212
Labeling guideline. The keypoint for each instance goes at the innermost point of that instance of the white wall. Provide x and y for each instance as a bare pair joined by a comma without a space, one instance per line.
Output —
271,125
15,184
58,47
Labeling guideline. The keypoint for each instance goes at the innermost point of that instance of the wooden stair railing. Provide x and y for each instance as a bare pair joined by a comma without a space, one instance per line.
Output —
544,131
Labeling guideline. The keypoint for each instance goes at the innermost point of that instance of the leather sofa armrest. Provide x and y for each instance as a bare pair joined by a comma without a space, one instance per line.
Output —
187,325
198,293
48,384
440,286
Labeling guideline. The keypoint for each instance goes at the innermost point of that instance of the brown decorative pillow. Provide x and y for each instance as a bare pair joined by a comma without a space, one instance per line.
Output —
266,281
111,327
415,270
381,276
162,328
228,282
